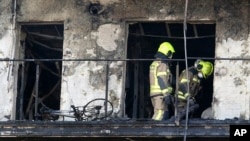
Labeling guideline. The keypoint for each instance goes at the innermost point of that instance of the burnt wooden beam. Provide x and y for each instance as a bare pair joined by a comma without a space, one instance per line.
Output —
46,36
44,66
141,92
141,29
29,108
58,31
135,92
48,69
176,90
168,30
37,90
24,76
58,67
195,31
50,92
43,45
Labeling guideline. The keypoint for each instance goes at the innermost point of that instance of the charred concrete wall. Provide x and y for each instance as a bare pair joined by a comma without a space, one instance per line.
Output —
231,83
100,33
7,49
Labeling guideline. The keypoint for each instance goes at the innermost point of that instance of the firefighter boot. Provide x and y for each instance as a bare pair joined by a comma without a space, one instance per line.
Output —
177,120
179,117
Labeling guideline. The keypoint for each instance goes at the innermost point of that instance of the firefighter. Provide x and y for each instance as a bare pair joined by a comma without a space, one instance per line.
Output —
160,77
200,71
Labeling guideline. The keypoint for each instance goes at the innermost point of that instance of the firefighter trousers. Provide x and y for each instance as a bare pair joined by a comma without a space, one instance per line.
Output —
159,107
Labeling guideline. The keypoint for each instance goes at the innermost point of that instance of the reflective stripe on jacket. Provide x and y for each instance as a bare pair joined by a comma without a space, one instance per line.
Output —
160,76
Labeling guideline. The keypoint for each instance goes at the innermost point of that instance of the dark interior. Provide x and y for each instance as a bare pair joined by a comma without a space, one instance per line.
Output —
43,41
143,41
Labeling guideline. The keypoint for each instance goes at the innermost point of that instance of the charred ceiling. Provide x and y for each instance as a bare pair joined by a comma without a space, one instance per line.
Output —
47,39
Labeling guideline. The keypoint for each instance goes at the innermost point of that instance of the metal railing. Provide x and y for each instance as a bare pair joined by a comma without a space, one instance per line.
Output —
108,61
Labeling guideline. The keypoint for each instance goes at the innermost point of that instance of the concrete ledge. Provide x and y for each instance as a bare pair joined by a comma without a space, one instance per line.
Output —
117,128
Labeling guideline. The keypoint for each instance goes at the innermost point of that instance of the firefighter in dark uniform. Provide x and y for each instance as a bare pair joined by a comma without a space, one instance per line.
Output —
201,70
160,76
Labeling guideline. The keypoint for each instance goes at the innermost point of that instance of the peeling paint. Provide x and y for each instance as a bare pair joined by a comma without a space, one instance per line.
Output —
114,98
91,52
230,83
97,78
221,71
107,35
7,47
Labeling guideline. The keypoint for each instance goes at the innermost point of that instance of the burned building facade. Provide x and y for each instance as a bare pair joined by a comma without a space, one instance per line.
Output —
64,52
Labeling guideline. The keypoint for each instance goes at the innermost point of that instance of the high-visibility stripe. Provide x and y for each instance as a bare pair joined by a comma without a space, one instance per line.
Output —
155,77
167,90
184,80
164,91
159,115
158,90
155,87
161,73
179,92
186,95
155,91
183,96
170,89
196,80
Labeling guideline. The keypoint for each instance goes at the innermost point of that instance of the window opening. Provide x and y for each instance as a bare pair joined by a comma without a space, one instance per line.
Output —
144,39
43,41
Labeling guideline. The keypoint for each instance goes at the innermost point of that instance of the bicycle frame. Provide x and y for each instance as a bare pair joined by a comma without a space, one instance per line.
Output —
89,112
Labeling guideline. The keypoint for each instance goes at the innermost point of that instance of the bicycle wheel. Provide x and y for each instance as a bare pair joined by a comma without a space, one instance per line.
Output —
99,108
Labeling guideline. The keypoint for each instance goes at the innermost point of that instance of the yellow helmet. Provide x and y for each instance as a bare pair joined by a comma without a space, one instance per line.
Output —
205,67
167,49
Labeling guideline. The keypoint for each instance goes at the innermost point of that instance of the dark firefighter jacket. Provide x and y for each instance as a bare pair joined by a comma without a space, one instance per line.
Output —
194,83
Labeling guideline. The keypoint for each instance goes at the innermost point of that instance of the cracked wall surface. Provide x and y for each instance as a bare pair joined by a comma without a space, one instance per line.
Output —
7,49
231,81
101,34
